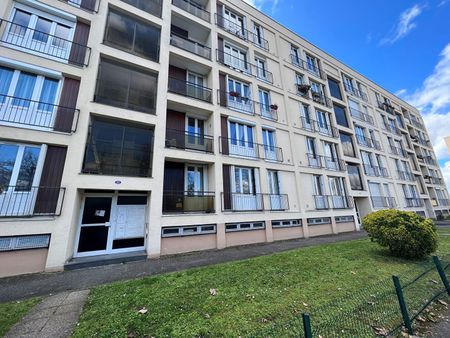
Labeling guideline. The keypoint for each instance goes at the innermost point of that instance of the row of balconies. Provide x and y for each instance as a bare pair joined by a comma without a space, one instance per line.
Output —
325,202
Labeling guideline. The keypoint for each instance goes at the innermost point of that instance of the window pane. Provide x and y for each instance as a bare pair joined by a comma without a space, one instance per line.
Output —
48,95
341,118
354,177
21,21
5,81
24,89
120,30
61,36
149,6
8,154
335,91
42,30
347,145
27,169
147,41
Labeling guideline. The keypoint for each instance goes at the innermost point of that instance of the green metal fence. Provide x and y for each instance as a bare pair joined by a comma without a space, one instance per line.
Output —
380,309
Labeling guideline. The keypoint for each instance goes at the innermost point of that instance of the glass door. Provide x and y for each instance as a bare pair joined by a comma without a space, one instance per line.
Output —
195,133
234,23
241,140
337,192
307,122
244,190
323,123
319,192
195,86
313,159
264,101
331,161
236,58
239,96
274,190
269,144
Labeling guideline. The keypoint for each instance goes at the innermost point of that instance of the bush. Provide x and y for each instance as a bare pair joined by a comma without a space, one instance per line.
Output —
405,234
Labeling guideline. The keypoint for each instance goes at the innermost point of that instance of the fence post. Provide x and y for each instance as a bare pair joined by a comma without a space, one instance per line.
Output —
401,301
307,325
441,271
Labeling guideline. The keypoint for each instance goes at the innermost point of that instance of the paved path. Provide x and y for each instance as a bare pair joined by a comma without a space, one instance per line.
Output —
54,317
19,287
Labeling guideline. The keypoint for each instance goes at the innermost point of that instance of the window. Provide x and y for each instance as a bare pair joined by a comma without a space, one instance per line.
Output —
274,184
295,58
354,176
118,149
287,223
235,57
244,226
312,65
261,70
188,230
233,23
322,220
195,180
24,242
259,35
264,101
348,84
241,134
132,35
269,144
344,219
149,6
347,144
399,121
244,181
341,117
335,90
239,96
126,87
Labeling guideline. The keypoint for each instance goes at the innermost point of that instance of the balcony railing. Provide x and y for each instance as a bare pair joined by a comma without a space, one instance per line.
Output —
87,5
321,99
387,107
190,89
186,140
392,129
318,161
193,8
235,101
268,111
324,202
421,141
54,47
190,45
375,171
383,202
310,68
398,151
413,202
232,201
243,66
368,142
188,201
355,92
443,202
430,160
230,146
432,180
37,114
405,175
241,32
28,201
314,126
357,114
277,202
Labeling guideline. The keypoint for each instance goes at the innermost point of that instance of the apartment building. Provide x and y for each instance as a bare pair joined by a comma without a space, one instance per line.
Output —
133,129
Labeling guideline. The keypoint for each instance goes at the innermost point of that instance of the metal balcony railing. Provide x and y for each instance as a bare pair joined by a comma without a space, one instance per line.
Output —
310,68
236,147
387,107
37,114
357,114
323,129
190,45
193,8
321,99
241,32
188,201
87,5
243,66
355,92
54,47
318,161
236,101
430,160
413,202
29,201
443,202
277,202
268,111
398,151
392,129
324,202
383,202
190,89
232,201
405,175
375,171
368,142
186,140
432,180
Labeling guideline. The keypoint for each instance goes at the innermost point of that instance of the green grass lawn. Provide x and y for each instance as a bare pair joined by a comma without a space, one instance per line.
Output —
251,294
12,312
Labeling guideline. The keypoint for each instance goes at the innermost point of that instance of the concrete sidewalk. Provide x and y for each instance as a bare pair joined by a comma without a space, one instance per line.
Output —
42,284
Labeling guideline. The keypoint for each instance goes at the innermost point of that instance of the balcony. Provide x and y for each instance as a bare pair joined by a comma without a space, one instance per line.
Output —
230,146
392,129
368,142
355,92
277,202
406,176
387,107
398,151
194,8
383,202
310,68
443,202
321,99
317,161
242,202
432,180
242,33
375,171
37,114
87,5
325,202
359,115
50,46
23,201
413,202
188,201
235,101
190,89
189,141
268,111
430,160
243,66
323,129
190,45
421,141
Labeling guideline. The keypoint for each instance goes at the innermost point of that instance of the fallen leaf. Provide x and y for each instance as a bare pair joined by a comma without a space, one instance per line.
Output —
304,304
207,316
421,319
442,302
433,281
371,303
213,292
143,311
353,272
380,331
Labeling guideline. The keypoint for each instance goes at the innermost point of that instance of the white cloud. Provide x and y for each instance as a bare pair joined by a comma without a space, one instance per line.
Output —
446,173
438,128
443,2
404,26
272,5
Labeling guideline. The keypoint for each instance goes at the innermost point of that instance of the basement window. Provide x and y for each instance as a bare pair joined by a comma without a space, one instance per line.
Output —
244,226
321,220
287,223
189,230
344,219
14,243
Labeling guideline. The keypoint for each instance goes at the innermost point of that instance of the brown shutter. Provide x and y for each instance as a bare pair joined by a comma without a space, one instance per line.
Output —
177,80
67,104
223,90
179,31
88,4
173,194
175,127
224,134
220,51
79,46
219,15
49,186
177,73
226,187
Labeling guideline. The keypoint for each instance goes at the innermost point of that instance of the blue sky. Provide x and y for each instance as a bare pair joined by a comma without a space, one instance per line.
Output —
402,45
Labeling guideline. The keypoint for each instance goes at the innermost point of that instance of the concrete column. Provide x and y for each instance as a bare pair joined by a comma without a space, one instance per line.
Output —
269,232
221,236
305,227
333,226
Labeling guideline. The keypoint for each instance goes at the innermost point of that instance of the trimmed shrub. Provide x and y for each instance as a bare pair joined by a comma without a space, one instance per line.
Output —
404,233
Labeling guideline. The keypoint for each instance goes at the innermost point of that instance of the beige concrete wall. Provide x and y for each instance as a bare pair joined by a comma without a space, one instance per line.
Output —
22,261
280,234
320,230
245,237
176,245
345,227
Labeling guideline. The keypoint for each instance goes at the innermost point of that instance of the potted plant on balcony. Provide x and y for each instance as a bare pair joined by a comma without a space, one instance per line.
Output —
235,94
303,88
273,107
317,97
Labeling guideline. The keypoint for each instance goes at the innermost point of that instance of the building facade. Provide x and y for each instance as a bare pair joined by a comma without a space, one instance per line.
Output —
145,128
